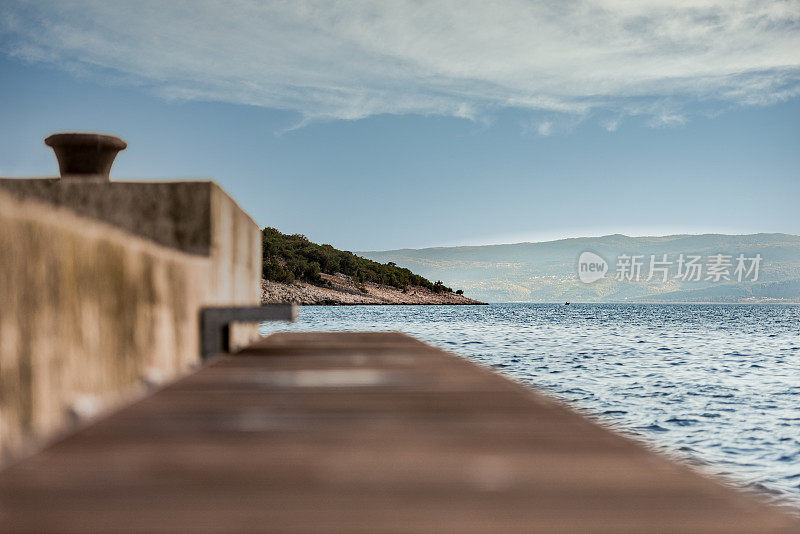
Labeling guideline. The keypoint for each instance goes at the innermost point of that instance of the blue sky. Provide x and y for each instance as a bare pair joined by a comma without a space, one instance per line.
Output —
373,129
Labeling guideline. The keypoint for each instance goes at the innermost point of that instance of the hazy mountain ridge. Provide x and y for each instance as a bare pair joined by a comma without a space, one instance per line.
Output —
547,271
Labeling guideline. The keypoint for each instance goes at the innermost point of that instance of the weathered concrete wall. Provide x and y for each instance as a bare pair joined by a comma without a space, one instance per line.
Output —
89,311
235,253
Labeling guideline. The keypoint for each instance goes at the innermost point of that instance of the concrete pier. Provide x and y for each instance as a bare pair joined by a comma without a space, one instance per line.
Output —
361,433
111,289
102,284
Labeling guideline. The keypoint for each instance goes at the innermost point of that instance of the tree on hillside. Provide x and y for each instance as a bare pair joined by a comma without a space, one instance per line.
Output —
293,257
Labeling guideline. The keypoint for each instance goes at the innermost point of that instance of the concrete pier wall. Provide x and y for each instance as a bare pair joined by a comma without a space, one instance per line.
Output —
101,287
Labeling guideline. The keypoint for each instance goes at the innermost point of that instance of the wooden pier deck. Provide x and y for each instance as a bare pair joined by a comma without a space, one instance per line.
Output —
360,433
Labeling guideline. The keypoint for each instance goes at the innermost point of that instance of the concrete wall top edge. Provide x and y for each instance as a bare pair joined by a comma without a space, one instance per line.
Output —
176,214
33,209
189,179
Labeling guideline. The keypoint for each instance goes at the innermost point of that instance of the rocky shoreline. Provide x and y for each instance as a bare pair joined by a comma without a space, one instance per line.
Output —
343,291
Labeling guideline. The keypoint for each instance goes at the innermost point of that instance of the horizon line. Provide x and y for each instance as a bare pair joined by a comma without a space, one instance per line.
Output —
580,237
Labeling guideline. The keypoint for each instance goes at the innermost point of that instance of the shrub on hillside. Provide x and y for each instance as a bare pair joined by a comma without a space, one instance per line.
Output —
293,257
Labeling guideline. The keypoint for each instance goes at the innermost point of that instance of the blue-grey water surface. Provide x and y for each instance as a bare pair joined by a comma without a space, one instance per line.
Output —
717,386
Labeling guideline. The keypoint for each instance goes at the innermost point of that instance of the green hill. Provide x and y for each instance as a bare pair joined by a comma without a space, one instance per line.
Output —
546,272
287,258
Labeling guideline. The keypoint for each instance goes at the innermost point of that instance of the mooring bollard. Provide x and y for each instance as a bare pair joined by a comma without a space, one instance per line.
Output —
85,155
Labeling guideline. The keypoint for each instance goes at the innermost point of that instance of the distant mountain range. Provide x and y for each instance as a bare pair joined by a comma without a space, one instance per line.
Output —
548,271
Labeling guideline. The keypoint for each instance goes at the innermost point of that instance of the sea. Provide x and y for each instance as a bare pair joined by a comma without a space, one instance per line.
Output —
716,386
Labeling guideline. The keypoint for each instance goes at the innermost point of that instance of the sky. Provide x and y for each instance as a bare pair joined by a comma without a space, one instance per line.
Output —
407,124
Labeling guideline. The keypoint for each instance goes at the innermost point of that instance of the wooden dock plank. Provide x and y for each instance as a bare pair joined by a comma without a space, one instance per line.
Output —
365,433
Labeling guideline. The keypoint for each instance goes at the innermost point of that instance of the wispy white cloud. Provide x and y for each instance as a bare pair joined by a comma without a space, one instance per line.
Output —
667,119
545,128
612,125
351,59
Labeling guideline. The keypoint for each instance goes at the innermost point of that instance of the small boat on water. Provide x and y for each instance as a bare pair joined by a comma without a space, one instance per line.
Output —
566,304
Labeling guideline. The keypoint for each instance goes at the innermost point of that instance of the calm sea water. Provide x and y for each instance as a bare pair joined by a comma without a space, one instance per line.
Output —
717,386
